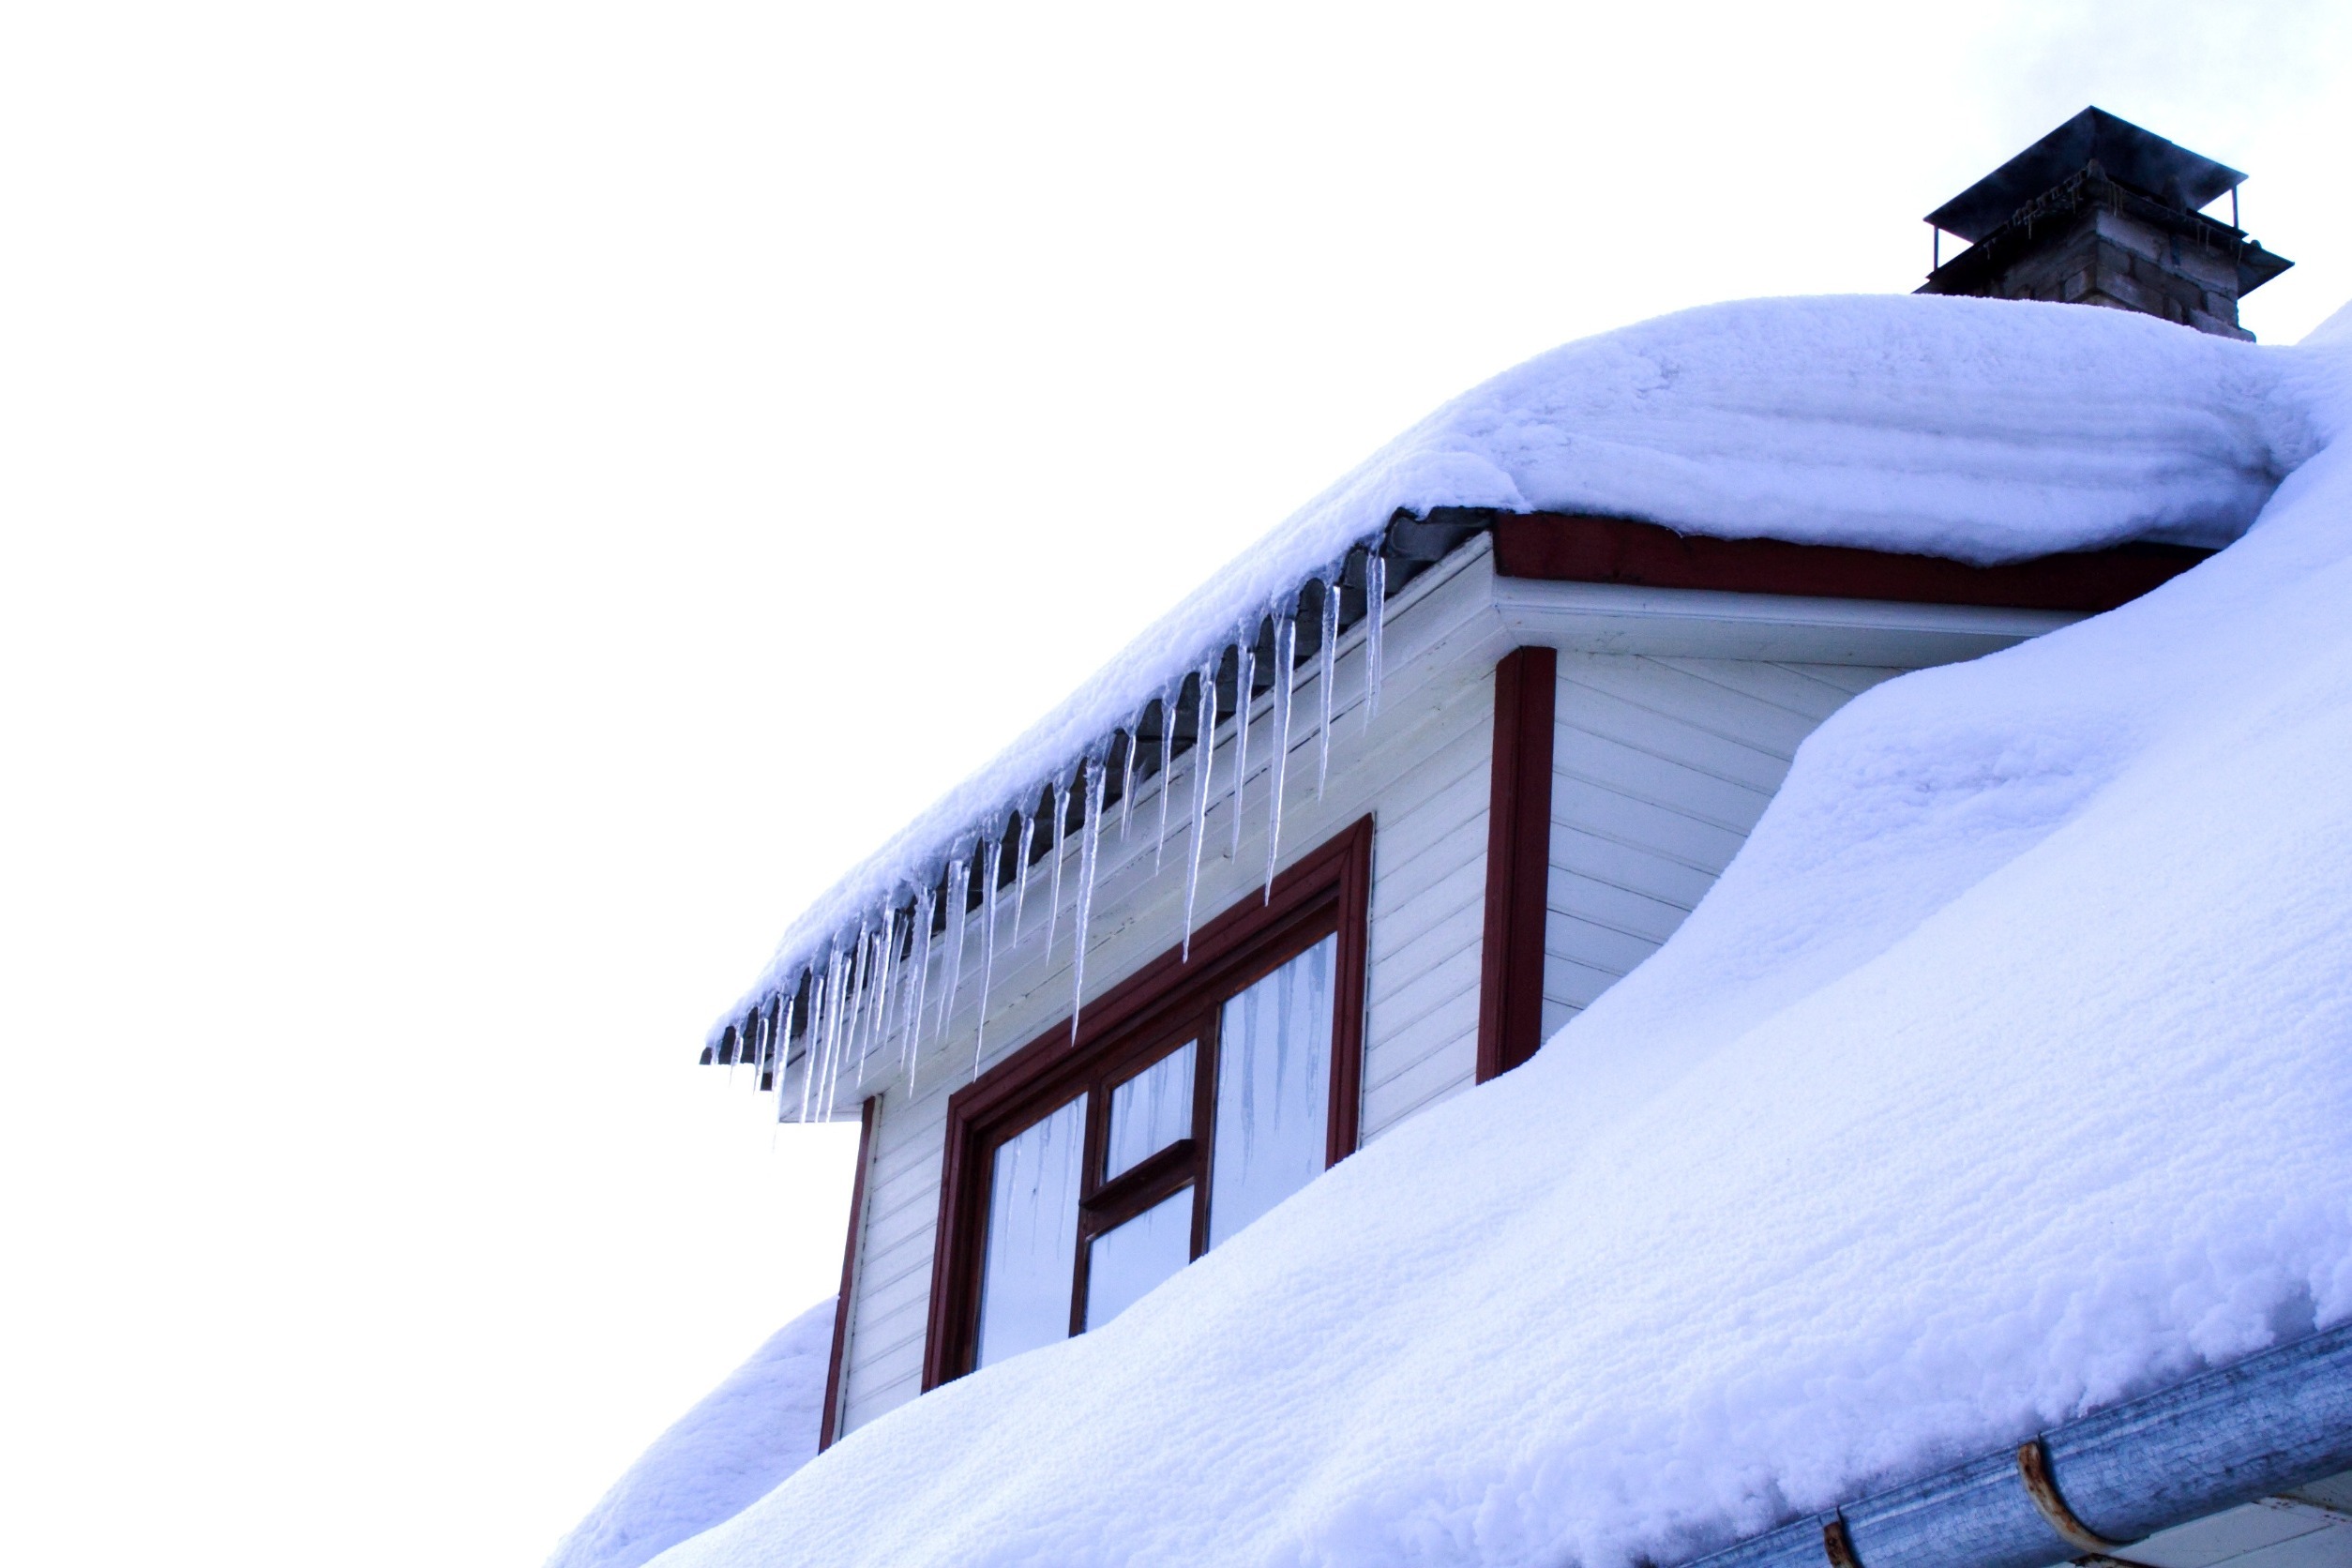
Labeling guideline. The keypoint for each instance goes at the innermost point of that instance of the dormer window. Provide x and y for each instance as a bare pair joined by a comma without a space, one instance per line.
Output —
1199,1096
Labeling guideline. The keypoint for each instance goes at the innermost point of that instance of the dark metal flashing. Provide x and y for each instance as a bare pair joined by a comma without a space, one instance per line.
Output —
2140,158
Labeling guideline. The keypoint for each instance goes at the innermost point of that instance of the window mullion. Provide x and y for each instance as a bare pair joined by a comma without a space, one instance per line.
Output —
1204,1118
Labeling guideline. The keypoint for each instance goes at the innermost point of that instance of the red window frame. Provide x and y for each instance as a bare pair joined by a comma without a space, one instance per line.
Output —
1170,1001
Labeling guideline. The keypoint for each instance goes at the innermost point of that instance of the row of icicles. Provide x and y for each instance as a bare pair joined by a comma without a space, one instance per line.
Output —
872,993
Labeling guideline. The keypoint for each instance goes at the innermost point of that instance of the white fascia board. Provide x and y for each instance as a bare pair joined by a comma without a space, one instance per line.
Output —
1691,623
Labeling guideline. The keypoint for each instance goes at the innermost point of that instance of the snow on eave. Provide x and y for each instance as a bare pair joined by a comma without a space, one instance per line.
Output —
1981,430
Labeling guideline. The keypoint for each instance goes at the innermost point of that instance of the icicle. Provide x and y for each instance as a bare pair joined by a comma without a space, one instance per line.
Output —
770,1058
809,1059
821,1031
1126,775
845,1000
1204,752
1061,817
1329,676
910,1037
911,971
868,1013
1374,612
860,989
783,1048
838,1027
1090,854
808,1052
839,968
1168,699
862,999
784,1042
889,939
890,969
1020,872
1285,643
825,1035
784,1045
894,926
784,1051
958,891
993,859
1244,688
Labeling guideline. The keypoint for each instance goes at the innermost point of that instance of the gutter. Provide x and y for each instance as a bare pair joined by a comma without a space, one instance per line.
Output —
2270,1423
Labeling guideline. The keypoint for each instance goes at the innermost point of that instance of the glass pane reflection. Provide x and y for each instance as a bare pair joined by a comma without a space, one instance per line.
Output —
1123,1264
1274,1090
1149,1111
1033,1236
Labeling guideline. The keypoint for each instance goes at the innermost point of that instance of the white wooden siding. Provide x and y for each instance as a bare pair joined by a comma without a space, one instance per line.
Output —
1662,764
1422,774
1660,769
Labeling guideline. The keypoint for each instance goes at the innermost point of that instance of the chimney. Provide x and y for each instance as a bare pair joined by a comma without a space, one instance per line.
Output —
2100,212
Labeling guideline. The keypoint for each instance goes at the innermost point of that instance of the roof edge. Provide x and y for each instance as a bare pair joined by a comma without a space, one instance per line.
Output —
2277,1420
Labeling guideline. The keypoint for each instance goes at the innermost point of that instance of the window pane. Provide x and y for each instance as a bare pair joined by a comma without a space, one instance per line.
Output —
1033,1236
1274,1090
1149,1111
1123,1264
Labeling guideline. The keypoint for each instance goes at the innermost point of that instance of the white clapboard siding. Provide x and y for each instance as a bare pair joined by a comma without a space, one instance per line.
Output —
1421,773
1662,765
1660,769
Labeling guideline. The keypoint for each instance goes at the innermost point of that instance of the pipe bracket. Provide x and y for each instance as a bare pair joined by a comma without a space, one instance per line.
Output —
1837,1546
2041,1484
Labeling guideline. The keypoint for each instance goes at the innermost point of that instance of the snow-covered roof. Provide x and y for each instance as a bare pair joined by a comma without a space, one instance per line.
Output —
1980,431
733,1448
1999,1079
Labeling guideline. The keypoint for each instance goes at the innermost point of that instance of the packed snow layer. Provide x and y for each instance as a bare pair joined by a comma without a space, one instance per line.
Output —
1985,431
749,1434
2002,1076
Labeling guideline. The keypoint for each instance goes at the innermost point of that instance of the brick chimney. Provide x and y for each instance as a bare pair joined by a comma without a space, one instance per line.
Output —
2100,212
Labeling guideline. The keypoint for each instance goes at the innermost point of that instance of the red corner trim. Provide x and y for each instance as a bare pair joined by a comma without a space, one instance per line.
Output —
1518,862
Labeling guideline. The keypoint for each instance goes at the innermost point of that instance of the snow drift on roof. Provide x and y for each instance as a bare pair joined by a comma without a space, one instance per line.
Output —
1983,430
746,1436
2000,1077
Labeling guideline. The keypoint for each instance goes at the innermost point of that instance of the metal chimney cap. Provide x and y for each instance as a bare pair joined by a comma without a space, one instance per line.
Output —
2129,155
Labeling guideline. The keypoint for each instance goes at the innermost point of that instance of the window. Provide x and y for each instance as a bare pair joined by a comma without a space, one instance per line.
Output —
1199,1096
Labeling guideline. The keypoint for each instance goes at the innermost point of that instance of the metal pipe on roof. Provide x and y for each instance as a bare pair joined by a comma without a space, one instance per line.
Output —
2266,1424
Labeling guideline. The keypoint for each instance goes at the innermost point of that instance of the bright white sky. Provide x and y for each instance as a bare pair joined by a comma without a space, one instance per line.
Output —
500,503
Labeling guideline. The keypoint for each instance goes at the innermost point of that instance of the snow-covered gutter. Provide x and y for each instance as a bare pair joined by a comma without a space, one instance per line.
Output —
2275,1421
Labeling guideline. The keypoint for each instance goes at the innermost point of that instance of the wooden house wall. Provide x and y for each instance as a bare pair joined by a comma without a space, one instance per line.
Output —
1661,766
1660,769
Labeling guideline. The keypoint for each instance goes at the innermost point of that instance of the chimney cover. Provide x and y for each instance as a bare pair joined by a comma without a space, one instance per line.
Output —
2129,155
